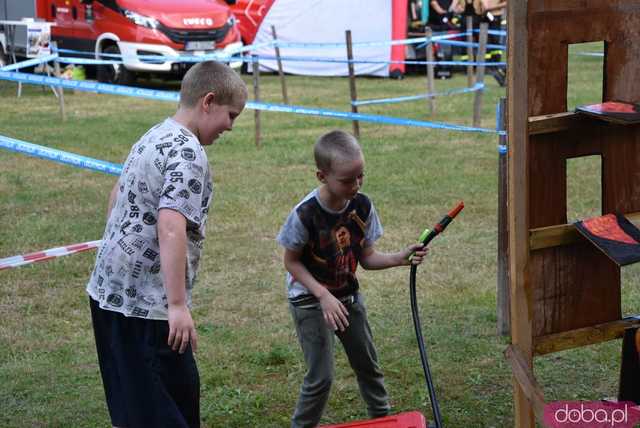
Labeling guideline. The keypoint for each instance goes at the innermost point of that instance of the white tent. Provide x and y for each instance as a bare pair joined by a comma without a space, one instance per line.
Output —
325,21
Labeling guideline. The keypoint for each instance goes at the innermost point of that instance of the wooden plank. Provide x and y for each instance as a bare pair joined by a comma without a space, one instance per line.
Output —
567,121
524,376
547,180
553,122
583,336
621,169
518,200
553,236
573,287
563,234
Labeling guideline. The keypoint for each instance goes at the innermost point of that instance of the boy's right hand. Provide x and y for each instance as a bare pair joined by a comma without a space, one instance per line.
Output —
334,312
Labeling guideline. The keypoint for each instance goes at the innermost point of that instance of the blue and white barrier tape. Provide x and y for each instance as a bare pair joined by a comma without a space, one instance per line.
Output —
29,62
474,88
471,44
174,96
493,32
377,61
86,61
249,48
219,55
60,156
83,85
230,55
369,118
152,58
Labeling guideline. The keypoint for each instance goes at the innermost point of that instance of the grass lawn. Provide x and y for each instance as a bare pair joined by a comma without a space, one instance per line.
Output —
249,359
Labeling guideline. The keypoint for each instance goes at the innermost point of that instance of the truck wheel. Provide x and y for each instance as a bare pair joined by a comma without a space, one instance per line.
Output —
116,74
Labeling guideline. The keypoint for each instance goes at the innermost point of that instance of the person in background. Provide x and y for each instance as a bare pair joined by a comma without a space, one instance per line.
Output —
442,12
493,13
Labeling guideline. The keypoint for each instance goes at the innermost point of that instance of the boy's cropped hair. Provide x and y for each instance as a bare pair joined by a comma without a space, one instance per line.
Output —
335,145
211,76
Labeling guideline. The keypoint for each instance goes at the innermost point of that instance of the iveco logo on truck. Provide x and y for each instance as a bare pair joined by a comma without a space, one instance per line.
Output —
198,21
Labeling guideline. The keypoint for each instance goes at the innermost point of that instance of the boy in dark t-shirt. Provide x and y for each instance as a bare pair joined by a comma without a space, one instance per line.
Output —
325,237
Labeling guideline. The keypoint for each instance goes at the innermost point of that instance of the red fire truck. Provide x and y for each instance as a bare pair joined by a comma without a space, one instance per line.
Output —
134,29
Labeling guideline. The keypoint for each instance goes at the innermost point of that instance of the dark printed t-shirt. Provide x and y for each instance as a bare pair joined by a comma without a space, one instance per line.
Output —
331,242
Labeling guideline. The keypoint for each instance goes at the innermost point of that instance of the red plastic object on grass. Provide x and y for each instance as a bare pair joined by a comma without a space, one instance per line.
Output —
401,420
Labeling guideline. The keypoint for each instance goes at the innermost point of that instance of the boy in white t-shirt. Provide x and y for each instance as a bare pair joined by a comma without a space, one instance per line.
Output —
140,288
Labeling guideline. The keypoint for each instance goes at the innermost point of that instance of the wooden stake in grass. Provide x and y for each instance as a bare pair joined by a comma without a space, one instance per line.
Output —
470,77
256,96
482,50
285,98
431,102
503,313
352,84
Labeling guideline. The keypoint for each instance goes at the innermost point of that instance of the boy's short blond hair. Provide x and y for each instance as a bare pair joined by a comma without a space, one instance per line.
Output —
211,76
335,145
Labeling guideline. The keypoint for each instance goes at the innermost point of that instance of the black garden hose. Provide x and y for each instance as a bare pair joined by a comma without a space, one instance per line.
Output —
425,238
435,407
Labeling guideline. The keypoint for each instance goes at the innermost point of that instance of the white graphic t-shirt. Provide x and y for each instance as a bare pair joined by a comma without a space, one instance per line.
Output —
166,168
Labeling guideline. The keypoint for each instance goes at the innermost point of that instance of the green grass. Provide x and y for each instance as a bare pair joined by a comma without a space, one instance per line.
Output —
249,360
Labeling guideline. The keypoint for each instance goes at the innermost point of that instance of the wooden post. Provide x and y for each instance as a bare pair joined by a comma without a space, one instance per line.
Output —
482,49
431,102
60,90
285,98
470,77
352,83
518,205
503,314
256,96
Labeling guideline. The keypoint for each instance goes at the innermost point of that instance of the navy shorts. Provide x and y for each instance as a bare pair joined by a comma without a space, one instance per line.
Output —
145,382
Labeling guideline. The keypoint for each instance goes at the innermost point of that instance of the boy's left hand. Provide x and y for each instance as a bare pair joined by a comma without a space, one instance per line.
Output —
182,331
418,251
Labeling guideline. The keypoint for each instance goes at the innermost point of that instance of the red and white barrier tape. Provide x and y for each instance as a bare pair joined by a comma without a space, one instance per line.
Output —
40,256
